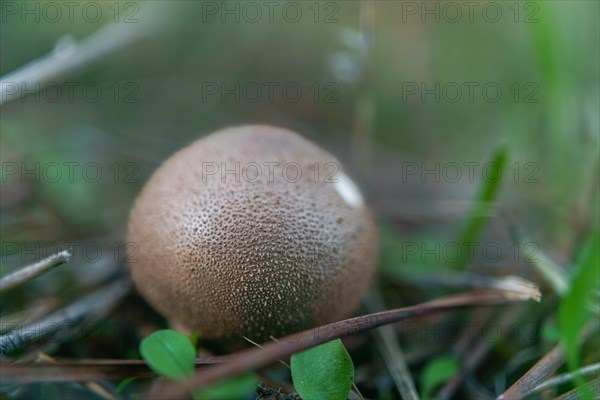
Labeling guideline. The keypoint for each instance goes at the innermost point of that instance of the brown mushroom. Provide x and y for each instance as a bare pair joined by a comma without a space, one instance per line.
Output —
252,231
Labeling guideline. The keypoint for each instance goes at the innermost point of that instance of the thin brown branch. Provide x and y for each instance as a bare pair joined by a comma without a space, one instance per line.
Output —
91,307
69,56
575,394
38,310
255,358
567,377
85,369
476,353
545,367
392,354
36,269
469,350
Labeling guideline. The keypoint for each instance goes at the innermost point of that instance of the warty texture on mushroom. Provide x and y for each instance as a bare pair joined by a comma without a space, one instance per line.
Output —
252,231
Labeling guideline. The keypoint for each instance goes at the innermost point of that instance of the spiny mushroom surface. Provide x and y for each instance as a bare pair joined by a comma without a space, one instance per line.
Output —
252,231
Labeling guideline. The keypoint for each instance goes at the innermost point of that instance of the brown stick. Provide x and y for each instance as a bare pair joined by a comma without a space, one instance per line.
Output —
90,307
255,358
545,367
476,354
84,370
575,394
36,269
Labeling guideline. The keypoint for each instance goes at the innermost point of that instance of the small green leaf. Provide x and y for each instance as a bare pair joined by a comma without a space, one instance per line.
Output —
169,353
123,384
436,372
574,311
323,372
231,389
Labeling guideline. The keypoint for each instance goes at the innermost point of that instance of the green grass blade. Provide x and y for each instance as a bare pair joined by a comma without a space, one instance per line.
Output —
484,203
574,311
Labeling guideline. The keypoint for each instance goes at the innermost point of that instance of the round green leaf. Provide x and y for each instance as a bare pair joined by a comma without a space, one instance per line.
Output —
169,353
323,372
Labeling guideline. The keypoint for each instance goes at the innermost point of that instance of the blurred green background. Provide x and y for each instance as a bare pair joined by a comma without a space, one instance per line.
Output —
542,55
385,86
378,87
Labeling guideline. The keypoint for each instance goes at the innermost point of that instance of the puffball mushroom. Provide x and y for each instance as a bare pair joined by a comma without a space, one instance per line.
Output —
252,231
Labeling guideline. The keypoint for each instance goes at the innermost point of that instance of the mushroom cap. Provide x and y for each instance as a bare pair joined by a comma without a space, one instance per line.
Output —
252,231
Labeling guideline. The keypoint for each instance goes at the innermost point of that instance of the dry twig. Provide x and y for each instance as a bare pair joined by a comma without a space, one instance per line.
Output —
93,306
70,56
255,358
545,367
85,369
569,376
593,385
392,354
31,271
